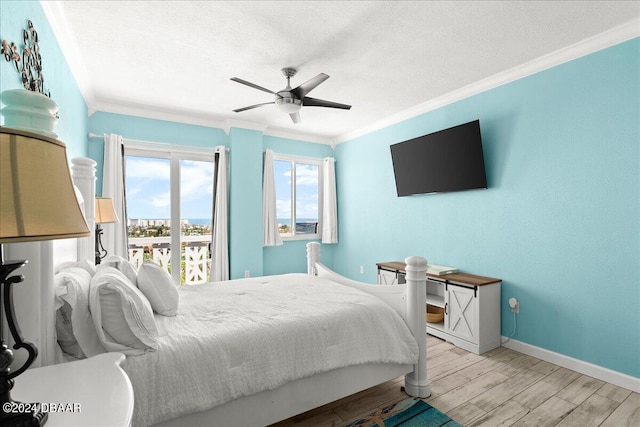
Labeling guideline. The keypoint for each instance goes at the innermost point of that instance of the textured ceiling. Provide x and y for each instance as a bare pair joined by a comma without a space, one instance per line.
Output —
174,60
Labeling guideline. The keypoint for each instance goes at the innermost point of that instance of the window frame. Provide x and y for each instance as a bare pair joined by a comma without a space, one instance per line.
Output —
306,161
174,154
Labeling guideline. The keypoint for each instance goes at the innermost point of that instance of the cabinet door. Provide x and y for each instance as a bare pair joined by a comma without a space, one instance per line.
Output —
386,277
461,313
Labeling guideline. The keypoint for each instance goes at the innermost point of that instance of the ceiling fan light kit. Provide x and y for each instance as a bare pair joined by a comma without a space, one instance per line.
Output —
290,101
288,104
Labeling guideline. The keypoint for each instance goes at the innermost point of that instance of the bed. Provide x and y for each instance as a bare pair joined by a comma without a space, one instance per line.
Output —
256,351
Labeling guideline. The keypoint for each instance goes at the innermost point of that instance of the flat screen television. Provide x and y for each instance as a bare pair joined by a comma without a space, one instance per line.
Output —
444,161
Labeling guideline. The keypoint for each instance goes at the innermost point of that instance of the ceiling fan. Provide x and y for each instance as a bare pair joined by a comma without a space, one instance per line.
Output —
291,100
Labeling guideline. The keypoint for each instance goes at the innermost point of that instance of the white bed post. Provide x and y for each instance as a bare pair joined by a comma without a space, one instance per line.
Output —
84,177
313,256
416,383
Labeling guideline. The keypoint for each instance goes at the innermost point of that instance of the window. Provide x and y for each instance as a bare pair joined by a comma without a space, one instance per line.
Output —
169,198
297,196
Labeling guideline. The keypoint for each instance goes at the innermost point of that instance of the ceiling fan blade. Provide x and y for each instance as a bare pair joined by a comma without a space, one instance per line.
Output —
314,102
309,85
255,86
295,117
250,107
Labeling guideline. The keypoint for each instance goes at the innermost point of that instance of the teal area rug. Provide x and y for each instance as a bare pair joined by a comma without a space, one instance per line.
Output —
406,413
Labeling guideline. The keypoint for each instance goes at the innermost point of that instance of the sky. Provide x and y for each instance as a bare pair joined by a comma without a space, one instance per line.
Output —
306,190
148,189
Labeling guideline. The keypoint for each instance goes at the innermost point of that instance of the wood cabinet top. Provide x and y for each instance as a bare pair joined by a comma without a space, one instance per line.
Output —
464,278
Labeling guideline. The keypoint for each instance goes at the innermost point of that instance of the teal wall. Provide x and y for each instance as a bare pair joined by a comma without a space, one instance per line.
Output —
245,202
560,222
72,110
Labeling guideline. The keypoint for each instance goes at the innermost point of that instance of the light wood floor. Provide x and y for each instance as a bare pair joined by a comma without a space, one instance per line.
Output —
499,388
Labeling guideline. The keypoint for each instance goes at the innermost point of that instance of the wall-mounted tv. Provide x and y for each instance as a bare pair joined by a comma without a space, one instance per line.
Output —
444,161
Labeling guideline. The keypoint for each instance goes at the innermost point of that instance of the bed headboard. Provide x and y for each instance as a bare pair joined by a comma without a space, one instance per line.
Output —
52,254
83,173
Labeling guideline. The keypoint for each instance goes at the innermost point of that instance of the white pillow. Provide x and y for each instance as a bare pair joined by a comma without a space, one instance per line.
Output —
122,315
86,265
156,284
62,266
75,331
119,263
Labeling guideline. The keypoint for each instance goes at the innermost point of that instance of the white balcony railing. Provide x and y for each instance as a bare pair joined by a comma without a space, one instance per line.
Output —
195,259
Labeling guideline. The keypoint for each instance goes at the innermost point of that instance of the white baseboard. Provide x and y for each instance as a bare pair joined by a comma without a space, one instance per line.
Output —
595,371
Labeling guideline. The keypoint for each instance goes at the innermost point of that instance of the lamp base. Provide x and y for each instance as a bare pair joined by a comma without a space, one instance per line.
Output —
12,413
100,252
32,418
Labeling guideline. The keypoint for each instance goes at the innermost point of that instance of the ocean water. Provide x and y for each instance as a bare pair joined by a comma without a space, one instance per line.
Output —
200,221
298,220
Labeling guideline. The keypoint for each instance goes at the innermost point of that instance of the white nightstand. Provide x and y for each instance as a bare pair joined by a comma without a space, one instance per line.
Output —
97,386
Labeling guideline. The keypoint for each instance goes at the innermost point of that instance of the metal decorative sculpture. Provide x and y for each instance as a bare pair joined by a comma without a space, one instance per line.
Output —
29,64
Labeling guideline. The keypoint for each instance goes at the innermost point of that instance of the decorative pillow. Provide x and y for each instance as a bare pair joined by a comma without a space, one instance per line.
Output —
119,263
156,284
62,266
74,327
122,315
86,265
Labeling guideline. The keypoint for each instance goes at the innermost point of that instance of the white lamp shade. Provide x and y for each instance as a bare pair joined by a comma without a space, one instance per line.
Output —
37,199
105,211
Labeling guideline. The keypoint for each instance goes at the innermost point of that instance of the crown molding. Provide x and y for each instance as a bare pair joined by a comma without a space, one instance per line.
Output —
274,131
585,47
243,124
180,116
70,50
298,136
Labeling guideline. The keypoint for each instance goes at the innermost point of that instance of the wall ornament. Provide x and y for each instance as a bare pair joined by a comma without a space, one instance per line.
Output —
29,62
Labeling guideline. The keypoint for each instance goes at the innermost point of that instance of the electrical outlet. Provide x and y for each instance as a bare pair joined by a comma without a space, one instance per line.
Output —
362,269
515,305
246,273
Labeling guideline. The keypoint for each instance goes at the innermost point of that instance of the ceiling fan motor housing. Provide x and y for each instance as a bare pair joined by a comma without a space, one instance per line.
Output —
287,102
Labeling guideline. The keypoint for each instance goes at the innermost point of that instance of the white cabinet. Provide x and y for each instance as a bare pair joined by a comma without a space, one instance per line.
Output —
471,313
390,277
471,307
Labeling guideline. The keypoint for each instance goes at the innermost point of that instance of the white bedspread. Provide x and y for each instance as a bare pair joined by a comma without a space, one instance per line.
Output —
232,339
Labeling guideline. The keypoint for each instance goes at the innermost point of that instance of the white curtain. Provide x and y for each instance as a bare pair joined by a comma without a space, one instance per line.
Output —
114,238
271,234
220,235
329,202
